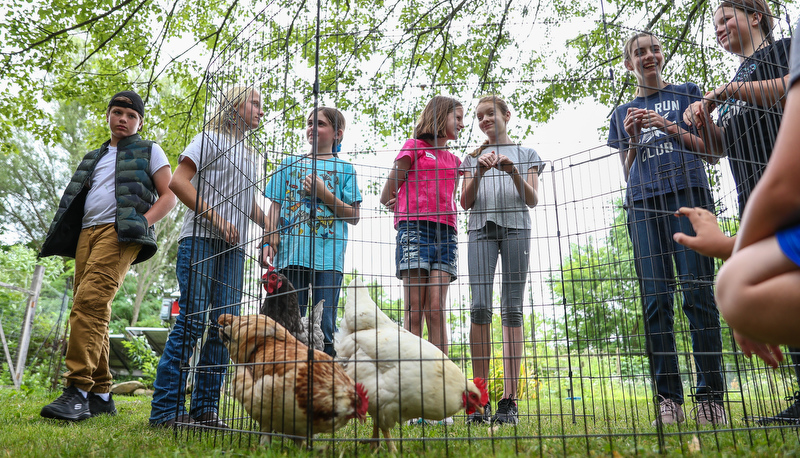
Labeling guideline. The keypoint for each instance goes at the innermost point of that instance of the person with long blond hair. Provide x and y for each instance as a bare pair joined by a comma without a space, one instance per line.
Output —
215,180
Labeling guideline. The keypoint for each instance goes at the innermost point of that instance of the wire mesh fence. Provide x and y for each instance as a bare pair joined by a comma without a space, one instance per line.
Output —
616,318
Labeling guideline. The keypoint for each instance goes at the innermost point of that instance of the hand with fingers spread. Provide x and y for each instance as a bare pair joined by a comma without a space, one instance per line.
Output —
770,354
708,239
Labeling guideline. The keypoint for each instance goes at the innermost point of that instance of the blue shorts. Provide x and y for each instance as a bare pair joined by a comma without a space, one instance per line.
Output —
428,246
789,241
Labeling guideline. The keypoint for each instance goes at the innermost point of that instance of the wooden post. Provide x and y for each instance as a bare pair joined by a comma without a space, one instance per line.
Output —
27,323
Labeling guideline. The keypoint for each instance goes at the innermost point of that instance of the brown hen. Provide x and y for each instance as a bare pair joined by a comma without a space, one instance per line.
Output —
280,388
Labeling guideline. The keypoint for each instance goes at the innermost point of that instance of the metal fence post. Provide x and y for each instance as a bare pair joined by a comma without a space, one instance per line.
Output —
27,323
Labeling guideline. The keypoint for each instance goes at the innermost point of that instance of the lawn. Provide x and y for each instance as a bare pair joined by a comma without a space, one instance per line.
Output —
617,427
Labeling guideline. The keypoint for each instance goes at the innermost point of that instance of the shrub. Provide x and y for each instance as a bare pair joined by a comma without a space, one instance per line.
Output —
143,357
528,381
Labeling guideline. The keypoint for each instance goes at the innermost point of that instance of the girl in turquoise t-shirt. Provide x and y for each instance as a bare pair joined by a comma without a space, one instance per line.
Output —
314,198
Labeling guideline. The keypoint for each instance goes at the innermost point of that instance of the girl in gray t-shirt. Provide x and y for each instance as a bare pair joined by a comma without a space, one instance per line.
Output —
500,185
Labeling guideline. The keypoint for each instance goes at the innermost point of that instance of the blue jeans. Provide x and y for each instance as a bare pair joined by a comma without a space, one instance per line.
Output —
209,275
428,246
655,252
326,284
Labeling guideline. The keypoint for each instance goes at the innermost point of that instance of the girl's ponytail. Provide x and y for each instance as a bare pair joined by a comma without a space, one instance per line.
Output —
480,149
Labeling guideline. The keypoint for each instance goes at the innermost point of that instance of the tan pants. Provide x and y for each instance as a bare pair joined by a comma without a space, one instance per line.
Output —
101,263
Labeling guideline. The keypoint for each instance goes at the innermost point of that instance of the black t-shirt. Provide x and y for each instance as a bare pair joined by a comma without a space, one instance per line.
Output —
750,130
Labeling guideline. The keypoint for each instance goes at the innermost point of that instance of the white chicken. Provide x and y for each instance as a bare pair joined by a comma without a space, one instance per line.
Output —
406,376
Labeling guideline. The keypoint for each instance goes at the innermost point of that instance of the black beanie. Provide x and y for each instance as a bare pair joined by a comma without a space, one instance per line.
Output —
136,104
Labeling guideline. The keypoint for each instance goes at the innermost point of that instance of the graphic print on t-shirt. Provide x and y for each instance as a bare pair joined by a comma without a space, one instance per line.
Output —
732,106
301,209
657,140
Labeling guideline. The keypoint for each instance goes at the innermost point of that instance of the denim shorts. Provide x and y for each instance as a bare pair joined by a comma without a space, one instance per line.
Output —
426,245
789,241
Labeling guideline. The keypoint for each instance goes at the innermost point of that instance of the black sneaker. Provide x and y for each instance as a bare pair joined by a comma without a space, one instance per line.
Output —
506,412
790,416
97,406
71,406
485,417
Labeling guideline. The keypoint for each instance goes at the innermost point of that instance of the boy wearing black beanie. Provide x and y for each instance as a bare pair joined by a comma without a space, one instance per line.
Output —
105,221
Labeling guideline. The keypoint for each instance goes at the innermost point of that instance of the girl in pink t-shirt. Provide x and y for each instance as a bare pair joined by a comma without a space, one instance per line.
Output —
420,190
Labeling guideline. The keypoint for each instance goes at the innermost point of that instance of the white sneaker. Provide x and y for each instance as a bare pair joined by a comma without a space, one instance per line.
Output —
710,413
447,421
669,412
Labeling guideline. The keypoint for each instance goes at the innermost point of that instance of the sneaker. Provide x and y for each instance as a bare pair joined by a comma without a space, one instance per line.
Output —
669,412
182,421
485,417
210,419
710,413
70,406
97,406
506,412
415,421
424,421
790,416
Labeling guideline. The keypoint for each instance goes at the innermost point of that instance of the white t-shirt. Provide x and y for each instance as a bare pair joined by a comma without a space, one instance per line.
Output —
225,180
101,202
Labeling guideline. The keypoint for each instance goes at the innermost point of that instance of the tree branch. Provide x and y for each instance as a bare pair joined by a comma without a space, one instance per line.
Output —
69,29
119,29
496,45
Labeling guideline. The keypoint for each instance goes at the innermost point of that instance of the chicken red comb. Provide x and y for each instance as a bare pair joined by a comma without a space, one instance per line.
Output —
481,384
271,285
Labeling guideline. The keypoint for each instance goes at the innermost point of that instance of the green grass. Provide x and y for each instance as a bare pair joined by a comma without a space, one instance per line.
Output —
603,428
